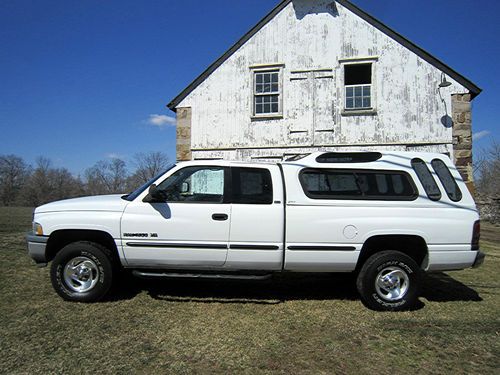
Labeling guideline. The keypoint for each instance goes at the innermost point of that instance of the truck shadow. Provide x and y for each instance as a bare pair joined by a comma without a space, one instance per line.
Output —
437,287
441,287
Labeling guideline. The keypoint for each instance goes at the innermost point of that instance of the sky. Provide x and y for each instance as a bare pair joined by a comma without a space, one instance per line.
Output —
82,81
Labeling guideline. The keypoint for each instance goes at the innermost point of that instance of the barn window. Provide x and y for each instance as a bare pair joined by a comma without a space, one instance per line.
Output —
267,92
358,86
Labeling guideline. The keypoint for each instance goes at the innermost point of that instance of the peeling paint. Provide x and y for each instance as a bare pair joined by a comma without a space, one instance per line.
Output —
307,36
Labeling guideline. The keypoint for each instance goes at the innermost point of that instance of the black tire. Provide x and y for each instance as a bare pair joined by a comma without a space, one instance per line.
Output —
389,281
89,273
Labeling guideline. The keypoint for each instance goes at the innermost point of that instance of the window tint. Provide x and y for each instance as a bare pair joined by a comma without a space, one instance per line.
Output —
357,184
447,180
195,184
425,177
252,186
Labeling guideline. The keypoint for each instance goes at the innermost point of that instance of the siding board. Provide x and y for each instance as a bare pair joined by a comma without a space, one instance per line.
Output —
307,36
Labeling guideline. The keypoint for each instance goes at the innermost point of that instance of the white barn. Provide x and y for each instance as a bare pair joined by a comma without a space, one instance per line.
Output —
324,75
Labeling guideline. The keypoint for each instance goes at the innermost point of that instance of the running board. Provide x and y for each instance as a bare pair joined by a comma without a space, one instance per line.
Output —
235,276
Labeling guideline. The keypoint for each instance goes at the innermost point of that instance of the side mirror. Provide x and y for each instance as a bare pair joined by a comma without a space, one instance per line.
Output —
155,195
185,187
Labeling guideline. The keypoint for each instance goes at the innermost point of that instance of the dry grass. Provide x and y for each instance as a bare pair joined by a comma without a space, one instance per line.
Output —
294,324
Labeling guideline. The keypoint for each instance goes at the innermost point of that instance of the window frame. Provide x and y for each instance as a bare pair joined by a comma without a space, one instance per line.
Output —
260,69
393,198
372,110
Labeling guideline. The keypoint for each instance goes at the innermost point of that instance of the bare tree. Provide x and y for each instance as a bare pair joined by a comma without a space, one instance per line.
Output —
488,170
37,189
13,174
48,184
64,184
149,165
106,177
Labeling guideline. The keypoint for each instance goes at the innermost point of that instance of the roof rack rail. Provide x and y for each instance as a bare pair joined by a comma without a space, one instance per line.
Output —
295,157
348,157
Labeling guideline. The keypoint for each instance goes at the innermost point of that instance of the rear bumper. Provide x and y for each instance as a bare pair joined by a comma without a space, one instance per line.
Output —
479,259
454,260
36,248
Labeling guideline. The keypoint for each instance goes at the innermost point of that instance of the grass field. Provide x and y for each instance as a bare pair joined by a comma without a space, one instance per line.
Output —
294,324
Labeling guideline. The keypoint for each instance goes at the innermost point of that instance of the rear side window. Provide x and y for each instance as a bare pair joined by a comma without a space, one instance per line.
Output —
252,186
425,177
357,184
447,180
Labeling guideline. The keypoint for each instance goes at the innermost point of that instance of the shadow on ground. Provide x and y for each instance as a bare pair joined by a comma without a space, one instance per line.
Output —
436,287
440,287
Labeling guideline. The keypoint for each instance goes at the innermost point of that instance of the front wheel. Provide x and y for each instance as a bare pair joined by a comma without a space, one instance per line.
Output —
390,281
82,271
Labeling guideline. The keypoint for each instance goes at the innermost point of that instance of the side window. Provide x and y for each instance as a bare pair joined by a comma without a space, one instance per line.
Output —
357,184
195,184
425,177
252,186
447,180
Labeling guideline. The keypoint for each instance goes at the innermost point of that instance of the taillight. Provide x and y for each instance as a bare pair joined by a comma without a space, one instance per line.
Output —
476,231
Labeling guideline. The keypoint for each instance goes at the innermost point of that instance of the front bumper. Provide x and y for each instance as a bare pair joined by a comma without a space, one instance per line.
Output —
36,248
479,259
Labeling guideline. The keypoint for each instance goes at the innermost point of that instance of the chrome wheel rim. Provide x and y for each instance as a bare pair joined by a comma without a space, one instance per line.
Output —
81,274
392,283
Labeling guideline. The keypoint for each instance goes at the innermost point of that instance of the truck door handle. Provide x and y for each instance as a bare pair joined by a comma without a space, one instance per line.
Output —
219,217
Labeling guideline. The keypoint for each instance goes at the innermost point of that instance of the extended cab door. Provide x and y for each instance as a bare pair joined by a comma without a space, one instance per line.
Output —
257,218
191,228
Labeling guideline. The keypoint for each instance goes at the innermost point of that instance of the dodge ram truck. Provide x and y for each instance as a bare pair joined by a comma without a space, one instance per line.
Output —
387,217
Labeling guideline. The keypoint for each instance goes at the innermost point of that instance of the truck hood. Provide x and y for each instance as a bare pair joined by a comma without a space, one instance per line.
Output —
110,203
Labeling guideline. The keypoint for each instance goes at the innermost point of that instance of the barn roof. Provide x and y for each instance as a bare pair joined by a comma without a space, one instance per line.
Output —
471,86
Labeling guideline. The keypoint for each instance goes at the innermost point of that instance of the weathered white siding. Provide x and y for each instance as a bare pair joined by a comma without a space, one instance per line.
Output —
315,37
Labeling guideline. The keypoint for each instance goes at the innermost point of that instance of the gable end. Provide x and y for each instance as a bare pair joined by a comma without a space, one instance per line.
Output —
227,54
469,85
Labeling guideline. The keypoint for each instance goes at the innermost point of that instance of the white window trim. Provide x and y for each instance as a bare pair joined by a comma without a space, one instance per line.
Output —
263,68
373,91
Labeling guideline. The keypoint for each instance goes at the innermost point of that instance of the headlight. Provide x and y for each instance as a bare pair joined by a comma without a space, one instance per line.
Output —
37,229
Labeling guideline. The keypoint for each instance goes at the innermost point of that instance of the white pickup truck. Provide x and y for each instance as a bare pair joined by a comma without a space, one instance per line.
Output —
386,216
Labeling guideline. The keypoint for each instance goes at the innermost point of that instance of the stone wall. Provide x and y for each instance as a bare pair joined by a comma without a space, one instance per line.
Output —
462,136
183,148
489,207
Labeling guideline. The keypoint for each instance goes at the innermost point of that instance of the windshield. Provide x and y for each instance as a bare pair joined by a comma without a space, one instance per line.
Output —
139,190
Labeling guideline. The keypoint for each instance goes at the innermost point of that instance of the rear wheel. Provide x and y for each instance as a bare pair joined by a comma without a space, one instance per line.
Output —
389,280
82,271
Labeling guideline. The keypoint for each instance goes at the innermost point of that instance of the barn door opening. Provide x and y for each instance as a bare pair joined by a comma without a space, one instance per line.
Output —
311,109
323,108
300,109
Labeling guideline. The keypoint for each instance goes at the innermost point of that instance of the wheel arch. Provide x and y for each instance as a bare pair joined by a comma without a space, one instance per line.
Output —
62,237
410,244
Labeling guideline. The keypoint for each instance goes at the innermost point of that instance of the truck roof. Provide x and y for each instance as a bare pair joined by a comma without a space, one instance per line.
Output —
351,159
